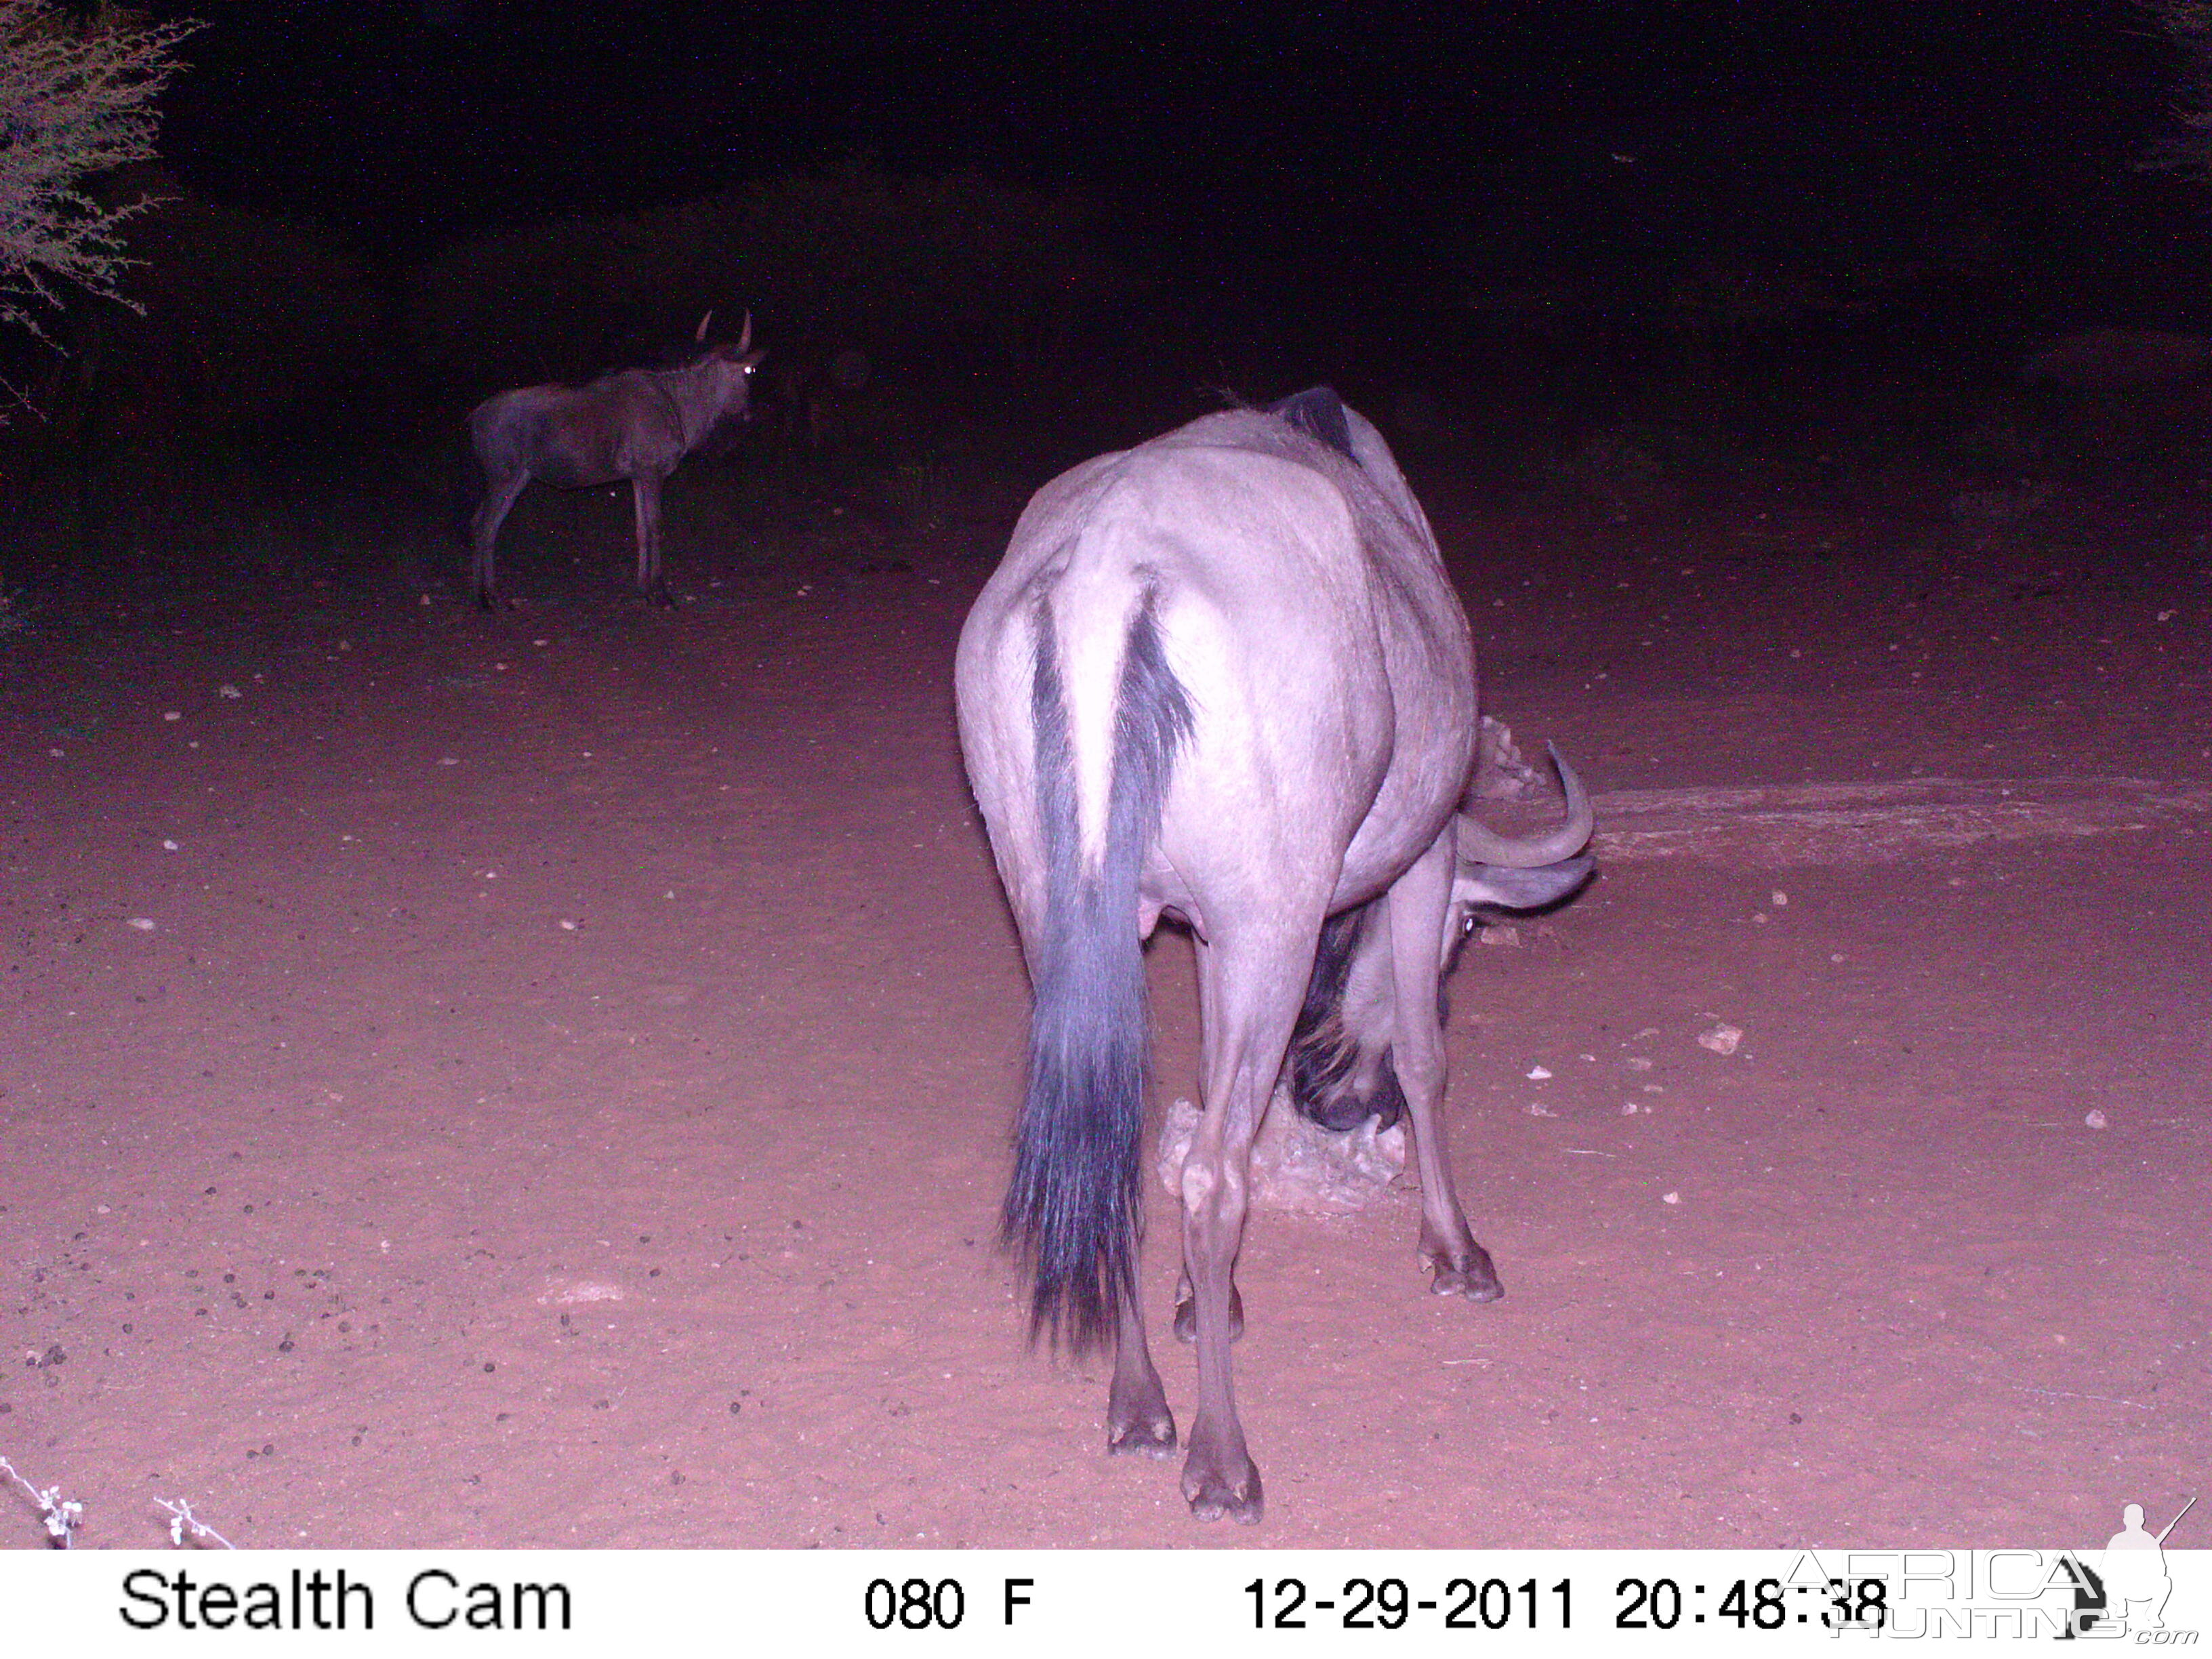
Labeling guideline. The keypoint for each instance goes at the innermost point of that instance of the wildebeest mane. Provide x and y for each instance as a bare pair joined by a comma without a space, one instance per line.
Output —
1324,1055
1319,413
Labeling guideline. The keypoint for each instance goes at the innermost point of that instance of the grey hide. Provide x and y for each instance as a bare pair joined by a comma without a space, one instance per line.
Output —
1223,676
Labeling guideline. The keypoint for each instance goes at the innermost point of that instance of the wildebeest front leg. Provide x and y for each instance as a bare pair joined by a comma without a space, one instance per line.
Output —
646,488
1414,911
499,499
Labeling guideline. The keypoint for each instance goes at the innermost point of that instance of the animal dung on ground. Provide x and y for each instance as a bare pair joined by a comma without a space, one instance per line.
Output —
1721,1039
1298,1165
2097,1120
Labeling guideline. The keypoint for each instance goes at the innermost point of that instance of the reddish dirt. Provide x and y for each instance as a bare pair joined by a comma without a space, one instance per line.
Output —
563,1096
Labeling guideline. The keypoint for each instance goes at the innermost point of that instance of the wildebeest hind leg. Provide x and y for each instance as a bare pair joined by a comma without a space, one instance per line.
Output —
1414,911
1186,1299
1250,991
499,499
1137,1415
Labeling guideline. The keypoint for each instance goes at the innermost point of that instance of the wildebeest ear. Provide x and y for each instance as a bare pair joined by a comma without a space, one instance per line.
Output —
751,360
1504,888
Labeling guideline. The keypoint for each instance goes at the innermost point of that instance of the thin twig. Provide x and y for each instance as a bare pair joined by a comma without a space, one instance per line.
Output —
181,1520
62,1515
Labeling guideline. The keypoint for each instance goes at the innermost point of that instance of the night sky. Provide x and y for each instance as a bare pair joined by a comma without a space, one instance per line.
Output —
1345,146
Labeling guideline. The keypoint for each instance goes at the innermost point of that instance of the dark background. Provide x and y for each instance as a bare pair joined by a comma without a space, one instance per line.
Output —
1688,243
1319,147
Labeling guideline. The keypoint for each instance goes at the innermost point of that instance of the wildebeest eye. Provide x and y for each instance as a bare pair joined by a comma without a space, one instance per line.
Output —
1466,925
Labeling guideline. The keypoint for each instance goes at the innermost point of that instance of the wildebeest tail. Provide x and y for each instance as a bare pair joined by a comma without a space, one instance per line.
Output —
1072,1207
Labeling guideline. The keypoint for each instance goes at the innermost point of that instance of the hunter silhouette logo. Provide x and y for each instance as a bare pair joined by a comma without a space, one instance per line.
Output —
2135,1580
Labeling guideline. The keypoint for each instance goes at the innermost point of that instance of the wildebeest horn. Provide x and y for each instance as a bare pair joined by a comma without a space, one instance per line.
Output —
745,336
1485,846
700,337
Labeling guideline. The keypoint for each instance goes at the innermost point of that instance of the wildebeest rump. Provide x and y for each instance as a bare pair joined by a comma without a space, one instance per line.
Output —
636,425
1223,676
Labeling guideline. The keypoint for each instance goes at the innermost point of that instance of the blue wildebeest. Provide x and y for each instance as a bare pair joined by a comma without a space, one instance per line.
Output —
1223,676
636,425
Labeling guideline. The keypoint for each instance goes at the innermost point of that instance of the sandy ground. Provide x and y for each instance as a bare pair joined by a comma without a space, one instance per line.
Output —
546,1080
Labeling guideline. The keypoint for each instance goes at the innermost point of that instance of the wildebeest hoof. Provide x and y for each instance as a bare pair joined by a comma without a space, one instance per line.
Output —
1464,1270
1151,1435
1186,1318
1137,1418
1226,1486
1481,1286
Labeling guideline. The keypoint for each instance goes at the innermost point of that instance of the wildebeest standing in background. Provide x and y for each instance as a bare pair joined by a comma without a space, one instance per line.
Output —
1224,675
636,425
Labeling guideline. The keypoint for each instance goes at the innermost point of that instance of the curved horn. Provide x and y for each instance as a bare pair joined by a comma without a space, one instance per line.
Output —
745,336
1485,846
699,335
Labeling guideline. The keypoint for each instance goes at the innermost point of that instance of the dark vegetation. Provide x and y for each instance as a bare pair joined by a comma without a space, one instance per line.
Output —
289,410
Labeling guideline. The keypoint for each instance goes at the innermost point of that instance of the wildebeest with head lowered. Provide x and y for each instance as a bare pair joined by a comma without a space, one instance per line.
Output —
636,425
1223,675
